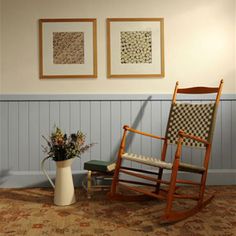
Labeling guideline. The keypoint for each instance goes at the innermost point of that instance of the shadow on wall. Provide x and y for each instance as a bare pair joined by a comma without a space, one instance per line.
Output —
134,125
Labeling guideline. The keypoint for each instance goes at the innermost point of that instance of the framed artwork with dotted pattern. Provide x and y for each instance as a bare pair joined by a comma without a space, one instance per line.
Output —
135,47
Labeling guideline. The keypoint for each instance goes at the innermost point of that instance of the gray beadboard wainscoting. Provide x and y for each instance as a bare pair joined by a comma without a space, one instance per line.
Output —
25,118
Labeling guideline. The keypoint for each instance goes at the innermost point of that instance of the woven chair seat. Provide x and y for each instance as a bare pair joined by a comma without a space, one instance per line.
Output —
162,164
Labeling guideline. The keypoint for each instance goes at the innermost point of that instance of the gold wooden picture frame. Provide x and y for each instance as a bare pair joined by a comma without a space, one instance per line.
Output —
135,47
68,48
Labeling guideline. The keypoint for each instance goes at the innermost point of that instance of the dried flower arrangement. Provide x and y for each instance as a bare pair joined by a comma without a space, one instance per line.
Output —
62,147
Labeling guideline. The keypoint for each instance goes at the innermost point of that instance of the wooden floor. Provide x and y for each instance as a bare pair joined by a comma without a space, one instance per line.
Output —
31,212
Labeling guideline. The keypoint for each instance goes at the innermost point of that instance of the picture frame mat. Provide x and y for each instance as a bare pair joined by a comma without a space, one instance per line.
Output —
64,69
116,66
138,22
50,70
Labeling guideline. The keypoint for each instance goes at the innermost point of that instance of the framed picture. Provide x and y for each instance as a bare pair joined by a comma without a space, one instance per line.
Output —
68,48
135,47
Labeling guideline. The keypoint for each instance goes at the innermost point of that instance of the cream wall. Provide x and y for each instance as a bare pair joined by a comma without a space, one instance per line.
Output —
199,44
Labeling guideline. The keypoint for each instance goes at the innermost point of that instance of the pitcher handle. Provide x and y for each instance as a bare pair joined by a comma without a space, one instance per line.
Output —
45,172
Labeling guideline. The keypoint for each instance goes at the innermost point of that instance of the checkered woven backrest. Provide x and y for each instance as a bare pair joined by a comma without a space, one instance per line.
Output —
194,119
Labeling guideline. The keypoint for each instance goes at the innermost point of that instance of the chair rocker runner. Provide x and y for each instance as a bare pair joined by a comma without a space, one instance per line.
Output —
188,125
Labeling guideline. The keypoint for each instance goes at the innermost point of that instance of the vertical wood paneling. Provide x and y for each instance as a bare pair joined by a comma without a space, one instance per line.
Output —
54,115
24,122
86,129
106,131
197,156
165,107
75,123
146,127
34,136
136,117
95,130
226,135
64,117
186,154
13,136
115,128
75,119
216,157
4,136
54,120
44,128
23,136
126,120
233,140
156,127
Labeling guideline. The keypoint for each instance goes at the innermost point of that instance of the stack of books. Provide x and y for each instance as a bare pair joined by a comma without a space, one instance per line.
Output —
102,166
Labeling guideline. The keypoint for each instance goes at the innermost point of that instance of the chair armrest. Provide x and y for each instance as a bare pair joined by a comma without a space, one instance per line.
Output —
199,139
126,127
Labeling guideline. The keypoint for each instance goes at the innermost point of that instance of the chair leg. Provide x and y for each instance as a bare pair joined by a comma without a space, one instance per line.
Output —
118,165
115,177
204,176
173,216
172,188
89,184
202,188
170,195
158,185
163,157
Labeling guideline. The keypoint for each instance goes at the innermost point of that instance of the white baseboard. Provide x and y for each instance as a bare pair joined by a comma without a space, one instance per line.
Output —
23,179
27,179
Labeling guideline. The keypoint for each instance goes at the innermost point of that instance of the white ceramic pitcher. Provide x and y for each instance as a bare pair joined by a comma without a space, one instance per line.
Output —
64,192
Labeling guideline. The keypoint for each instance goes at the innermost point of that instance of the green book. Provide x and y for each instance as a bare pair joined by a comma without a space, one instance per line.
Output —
97,165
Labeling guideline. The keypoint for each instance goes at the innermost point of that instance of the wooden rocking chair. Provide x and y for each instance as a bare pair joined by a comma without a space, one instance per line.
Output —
188,124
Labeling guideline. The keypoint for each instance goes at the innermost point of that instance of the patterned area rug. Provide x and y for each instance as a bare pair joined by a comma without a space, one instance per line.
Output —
31,212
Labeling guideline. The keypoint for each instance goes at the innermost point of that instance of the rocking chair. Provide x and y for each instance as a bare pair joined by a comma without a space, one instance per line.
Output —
189,124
